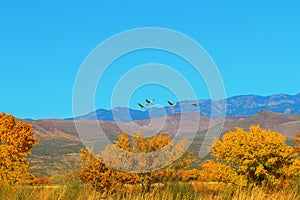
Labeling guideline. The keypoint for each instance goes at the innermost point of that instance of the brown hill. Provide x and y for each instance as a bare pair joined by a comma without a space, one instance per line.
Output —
60,143
286,124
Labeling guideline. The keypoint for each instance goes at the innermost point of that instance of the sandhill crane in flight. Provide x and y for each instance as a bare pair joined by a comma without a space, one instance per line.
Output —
171,104
143,107
149,102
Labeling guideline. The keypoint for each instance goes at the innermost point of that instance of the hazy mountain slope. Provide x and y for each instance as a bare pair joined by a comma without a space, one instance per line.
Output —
245,105
59,145
57,150
286,124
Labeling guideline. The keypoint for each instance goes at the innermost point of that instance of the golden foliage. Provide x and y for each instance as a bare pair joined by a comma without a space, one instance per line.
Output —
188,175
219,172
254,157
139,154
16,140
40,181
101,176
297,142
135,160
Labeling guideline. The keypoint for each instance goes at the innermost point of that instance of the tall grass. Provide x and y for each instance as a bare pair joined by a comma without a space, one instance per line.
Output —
73,189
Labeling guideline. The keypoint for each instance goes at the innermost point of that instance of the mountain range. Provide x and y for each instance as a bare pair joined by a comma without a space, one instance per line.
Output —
243,106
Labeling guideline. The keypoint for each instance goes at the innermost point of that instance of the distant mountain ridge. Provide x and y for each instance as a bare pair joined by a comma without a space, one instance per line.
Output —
244,106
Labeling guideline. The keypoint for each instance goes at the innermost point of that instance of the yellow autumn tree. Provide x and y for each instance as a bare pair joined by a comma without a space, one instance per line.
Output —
16,140
254,157
135,159
297,142
95,172
294,171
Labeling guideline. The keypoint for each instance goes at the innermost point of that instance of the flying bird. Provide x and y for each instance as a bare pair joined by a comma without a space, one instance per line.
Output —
149,102
194,104
171,104
143,107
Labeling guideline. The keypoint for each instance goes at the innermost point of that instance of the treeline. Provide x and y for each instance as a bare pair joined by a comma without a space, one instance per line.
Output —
243,158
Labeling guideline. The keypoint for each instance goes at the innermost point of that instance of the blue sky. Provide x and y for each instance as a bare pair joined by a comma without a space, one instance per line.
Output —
254,44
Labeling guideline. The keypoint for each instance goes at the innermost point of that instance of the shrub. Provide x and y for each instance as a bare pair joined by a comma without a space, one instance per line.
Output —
16,140
254,157
139,167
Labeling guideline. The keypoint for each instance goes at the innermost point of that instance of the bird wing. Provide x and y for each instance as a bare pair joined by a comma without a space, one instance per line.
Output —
140,105
170,103
148,101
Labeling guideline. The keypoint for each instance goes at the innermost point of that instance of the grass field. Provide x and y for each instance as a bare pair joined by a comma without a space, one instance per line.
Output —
75,190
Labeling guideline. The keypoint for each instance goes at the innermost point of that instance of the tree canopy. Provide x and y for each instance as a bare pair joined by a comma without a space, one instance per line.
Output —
254,157
16,140
102,175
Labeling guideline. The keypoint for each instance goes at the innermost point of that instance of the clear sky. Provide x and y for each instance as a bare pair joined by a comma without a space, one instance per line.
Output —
255,45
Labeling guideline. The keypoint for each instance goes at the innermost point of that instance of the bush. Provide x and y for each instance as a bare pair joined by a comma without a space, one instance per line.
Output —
96,172
256,157
16,140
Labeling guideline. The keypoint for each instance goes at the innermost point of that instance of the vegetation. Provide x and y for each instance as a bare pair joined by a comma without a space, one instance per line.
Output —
254,164
75,190
160,150
16,140
257,157
297,143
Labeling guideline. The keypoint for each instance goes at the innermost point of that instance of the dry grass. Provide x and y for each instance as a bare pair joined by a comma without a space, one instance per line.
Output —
261,194
75,190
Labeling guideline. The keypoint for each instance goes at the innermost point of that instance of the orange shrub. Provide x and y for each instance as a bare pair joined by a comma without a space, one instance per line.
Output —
297,142
16,140
139,167
257,157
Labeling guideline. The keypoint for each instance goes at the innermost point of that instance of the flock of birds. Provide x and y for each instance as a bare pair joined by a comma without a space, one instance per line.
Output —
150,102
